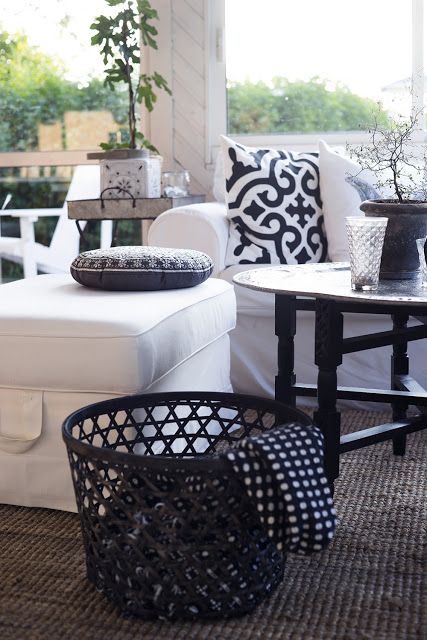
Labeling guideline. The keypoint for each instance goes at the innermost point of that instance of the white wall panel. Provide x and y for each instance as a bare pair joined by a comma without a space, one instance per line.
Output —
186,104
189,49
180,126
201,181
196,5
190,21
187,76
196,141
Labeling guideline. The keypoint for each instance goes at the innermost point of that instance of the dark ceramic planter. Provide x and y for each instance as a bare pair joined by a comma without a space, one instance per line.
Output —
407,221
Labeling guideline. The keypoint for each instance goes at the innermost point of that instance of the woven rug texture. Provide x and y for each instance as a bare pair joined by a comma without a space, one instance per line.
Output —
371,583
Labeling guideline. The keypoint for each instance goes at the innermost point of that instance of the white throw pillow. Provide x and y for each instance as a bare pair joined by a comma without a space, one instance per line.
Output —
339,197
218,189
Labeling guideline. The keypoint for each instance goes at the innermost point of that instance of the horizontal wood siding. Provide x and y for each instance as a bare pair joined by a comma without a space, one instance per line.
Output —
190,21
189,49
187,76
189,98
179,125
197,6
189,108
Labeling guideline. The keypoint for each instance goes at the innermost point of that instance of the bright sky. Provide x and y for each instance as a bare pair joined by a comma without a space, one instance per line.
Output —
365,44
60,28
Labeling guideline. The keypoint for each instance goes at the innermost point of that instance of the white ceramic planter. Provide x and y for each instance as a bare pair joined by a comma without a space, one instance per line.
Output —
129,171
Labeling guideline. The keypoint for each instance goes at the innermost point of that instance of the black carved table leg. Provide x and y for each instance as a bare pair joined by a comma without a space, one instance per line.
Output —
285,319
328,287
328,355
399,366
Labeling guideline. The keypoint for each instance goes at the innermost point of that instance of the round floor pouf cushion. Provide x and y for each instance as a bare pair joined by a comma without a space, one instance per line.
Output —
141,268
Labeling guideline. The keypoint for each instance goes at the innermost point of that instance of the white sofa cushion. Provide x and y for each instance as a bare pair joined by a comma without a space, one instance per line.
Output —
218,188
274,206
203,226
340,198
55,334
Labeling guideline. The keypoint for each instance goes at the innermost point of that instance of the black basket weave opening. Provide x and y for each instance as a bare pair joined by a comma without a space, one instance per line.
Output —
167,526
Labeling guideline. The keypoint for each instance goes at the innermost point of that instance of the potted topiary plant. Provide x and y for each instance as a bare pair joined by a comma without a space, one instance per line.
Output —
399,165
126,165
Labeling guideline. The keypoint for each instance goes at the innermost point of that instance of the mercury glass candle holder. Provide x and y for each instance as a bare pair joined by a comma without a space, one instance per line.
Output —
365,237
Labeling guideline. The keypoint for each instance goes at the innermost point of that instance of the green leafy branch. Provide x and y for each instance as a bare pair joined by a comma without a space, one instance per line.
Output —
119,38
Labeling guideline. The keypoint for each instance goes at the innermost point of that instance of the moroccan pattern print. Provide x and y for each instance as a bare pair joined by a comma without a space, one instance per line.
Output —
274,206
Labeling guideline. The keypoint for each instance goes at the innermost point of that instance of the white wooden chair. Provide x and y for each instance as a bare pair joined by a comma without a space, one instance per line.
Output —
64,246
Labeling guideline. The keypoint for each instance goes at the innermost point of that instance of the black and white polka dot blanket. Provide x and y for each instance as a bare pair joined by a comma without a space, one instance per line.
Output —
282,471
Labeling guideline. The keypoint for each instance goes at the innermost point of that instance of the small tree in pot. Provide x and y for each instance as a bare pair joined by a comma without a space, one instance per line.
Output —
121,37
399,165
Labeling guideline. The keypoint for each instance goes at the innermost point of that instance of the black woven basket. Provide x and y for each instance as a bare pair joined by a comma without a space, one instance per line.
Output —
167,526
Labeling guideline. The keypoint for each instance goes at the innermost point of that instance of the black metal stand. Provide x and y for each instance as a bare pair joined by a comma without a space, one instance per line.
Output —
81,231
330,346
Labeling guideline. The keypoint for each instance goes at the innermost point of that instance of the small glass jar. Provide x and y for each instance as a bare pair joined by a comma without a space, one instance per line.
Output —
175,184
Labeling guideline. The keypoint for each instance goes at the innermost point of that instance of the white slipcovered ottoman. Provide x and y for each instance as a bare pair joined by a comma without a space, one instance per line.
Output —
63,346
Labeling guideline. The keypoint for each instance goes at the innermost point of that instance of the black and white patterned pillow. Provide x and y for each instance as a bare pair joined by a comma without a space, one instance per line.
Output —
274,206
141,268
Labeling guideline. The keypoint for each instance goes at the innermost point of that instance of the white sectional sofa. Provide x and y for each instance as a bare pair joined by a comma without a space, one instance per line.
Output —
253,344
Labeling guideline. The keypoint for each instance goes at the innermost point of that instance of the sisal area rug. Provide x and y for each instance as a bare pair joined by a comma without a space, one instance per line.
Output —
370,584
